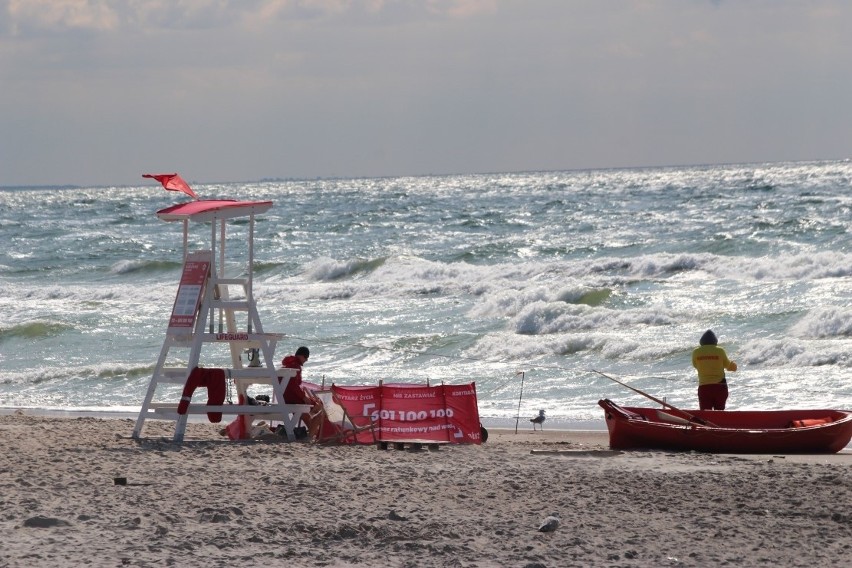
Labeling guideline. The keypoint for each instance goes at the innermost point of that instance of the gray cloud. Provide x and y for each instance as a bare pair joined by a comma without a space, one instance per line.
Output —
100,92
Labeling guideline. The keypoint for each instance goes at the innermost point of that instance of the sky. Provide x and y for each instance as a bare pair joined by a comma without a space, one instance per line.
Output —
98,92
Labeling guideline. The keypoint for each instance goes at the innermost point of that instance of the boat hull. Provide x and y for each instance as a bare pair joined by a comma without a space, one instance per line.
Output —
819,431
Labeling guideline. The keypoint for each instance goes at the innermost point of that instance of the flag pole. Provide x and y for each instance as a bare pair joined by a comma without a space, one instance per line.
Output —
518,417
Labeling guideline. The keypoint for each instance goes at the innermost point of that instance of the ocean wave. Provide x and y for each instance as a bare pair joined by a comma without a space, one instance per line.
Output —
792,352
658,266
510,302
143,266
589,297
327,269
390,277
71,297
102,374
570,352
33,330
824,323
507,287
122,372
805,266
544,318
262,268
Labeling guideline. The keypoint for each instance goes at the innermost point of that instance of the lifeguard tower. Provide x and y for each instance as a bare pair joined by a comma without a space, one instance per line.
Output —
215,315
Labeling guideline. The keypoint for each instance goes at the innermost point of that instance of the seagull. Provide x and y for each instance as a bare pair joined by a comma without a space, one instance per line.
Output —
550,523
538,420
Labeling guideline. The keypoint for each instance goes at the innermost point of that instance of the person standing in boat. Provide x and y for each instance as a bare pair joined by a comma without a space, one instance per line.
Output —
293,393
711,362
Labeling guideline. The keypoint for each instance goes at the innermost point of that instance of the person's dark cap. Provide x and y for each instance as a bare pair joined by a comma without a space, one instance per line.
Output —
709,338
303,351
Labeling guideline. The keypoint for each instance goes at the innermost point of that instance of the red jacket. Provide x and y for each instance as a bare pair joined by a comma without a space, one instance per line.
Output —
293,392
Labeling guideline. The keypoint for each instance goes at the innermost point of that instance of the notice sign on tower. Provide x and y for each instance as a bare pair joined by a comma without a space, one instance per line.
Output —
196,269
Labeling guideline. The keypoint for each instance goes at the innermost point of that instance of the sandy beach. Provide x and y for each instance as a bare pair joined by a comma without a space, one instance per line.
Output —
211,502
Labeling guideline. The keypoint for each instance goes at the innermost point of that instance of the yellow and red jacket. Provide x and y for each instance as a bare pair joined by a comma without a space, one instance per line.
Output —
711,362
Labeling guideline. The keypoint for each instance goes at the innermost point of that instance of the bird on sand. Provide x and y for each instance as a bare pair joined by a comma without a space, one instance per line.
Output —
550,523
538,420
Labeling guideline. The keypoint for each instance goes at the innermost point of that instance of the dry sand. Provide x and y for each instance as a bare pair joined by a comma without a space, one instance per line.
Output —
214,503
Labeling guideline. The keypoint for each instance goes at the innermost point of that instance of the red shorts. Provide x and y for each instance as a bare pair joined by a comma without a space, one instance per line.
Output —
713,397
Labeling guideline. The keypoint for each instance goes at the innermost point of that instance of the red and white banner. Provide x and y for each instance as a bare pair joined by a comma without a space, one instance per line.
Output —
413,413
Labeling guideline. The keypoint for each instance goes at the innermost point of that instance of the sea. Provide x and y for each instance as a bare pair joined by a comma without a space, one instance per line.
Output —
546,289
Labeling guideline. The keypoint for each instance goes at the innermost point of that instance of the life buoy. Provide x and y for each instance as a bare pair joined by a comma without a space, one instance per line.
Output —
214,381
806,422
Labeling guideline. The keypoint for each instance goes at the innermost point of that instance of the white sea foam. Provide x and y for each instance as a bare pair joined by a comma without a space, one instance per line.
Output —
793,352
823,323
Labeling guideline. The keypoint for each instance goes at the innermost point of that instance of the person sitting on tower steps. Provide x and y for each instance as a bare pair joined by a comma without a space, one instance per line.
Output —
293,393
711,361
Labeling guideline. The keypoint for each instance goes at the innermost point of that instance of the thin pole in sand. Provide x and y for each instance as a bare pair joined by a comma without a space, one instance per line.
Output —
658,401
518,417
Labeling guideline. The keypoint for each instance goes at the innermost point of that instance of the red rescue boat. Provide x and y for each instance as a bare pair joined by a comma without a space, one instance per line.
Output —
725,431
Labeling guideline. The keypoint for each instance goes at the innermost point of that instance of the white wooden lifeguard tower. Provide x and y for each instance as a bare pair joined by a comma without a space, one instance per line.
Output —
207,316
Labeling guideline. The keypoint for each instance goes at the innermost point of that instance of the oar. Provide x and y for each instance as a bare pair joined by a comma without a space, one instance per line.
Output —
658,401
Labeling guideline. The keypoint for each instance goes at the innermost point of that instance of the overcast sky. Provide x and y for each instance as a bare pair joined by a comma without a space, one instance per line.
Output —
101,91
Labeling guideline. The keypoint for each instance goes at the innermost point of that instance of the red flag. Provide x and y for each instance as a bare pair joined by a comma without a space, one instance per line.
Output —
172,182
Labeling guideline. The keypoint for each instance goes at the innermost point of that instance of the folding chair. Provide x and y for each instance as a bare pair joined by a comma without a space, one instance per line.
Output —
329,423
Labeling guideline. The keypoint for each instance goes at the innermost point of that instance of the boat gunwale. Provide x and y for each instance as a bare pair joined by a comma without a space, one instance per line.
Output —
630,432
